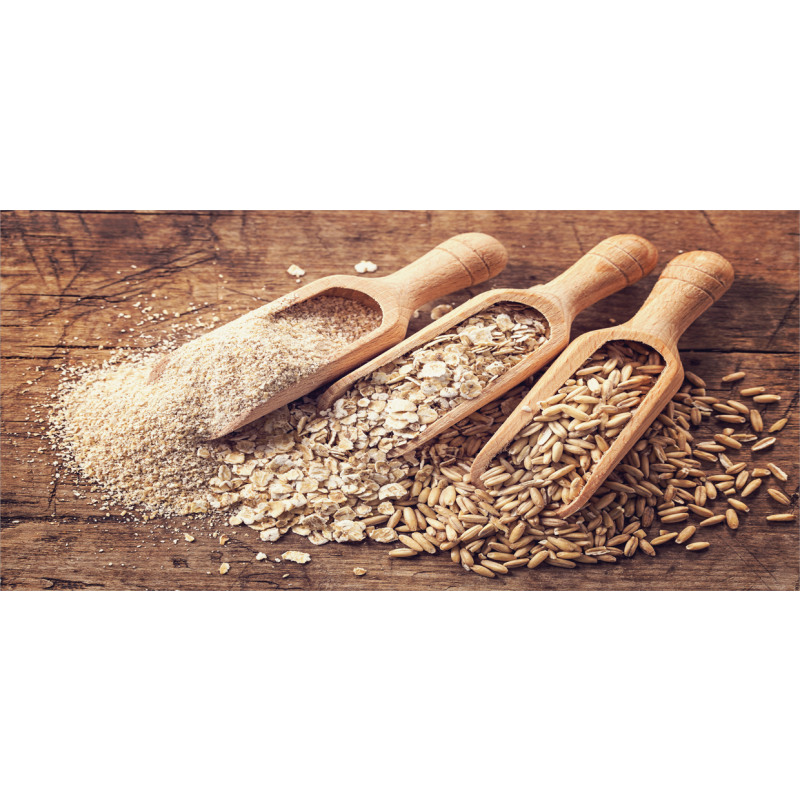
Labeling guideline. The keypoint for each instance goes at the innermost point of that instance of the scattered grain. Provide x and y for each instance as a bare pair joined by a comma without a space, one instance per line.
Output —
330,475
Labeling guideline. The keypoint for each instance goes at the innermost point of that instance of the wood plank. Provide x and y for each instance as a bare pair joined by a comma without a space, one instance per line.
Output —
67,278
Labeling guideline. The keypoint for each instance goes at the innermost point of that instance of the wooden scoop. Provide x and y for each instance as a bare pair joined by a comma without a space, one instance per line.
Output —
689,284
459,262
612,265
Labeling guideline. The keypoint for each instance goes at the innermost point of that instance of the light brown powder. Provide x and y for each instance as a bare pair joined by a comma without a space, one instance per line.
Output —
225,373
144,442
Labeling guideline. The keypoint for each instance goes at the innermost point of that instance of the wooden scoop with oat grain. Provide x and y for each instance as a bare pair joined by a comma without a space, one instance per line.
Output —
612,265
458,263
689,285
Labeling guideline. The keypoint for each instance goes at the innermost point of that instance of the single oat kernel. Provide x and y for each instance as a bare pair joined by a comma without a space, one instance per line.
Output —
777,472
779,496
537,559
763,444
733,376
664,537
685,534
646,547
751,487
403,552
695,380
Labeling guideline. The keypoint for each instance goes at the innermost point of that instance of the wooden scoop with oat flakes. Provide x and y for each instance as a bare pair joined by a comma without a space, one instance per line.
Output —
612,265
686,288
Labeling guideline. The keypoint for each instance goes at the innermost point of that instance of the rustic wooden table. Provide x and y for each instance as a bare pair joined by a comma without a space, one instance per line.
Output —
67,278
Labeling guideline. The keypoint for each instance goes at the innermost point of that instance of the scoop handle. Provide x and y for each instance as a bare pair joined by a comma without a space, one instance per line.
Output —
612,265
461,261
689,284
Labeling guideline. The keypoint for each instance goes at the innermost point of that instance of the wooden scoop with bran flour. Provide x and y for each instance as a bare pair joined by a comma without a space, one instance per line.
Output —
279,352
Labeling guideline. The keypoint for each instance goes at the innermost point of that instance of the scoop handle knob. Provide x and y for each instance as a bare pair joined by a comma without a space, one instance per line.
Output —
460,262
689,285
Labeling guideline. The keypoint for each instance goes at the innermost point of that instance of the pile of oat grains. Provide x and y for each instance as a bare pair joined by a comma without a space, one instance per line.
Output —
661,480
330,476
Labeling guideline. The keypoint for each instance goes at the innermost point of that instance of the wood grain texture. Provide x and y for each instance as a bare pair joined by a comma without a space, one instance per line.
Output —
67,277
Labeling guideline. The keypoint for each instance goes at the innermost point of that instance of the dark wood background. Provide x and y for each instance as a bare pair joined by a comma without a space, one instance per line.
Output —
66,278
